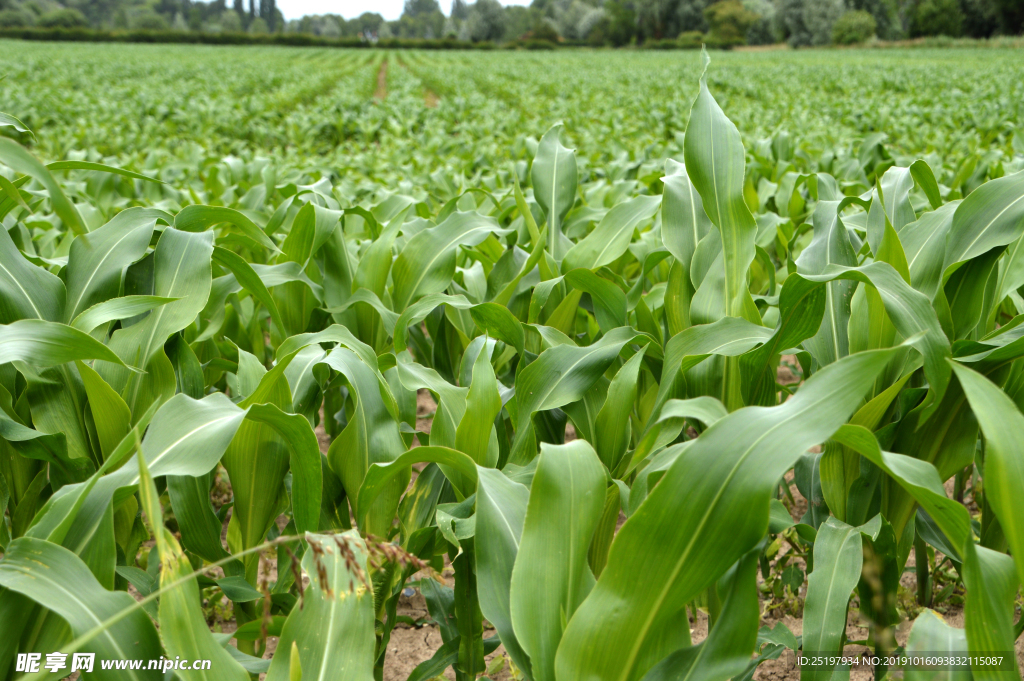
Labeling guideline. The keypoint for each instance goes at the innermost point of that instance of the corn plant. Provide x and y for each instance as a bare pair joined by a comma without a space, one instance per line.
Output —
156,350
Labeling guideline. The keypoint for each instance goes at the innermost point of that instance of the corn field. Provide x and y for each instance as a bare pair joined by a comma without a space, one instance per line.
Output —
704,367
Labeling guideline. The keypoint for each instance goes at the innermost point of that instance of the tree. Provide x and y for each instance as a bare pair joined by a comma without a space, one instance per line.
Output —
147,20
414,8
518,22
230,22
791,18
426,21
981,17
268,9
367,23
63,18
937,17
486,20
460,10
576,19
668,18
1011,14
16,17
544,31
421,19
194,18
854,27
819,16
729,21
239,9
762,31
885,14
619,24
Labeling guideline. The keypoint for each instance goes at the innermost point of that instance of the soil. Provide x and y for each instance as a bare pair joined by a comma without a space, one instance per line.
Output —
426,407
411,645
382,82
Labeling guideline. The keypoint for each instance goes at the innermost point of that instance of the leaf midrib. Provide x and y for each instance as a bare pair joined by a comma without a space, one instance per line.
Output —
708,513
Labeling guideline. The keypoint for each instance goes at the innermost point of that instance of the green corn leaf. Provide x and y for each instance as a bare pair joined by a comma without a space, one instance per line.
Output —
333,630
608,299
17,157
335,333
714,163
87,165
988,576
58,580
838,558
924,243
419,310
830,246
801,308
988,612
499,323
186,437
999,419
554,176
612,236
117,308
303,460
683,220
427,263
263,449
182,270
726,651
501,506
109,412
183,628
569,484
483,403
7,120
729,336
910,313
246,276
201,218
561,375
97,260
381,476
43,344
990,217
199,526
612,428
894,192
371,436
681,558
28,292
930,635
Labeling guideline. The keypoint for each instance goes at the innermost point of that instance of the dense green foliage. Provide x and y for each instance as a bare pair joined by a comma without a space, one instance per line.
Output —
854,27
616,23
211,256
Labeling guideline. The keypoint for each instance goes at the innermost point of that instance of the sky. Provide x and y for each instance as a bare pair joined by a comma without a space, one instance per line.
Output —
389,9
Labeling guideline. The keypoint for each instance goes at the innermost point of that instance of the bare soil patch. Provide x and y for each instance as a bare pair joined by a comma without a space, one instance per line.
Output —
382,82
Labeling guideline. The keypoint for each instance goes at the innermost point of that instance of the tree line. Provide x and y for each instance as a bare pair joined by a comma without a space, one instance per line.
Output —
594,22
